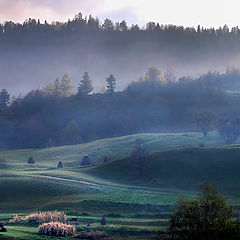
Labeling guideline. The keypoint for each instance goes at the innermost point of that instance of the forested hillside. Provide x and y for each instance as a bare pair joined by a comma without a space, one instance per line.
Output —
35,53
157,102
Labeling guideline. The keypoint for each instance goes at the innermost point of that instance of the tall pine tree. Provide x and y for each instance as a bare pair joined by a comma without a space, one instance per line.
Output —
85,85
111,83
4,99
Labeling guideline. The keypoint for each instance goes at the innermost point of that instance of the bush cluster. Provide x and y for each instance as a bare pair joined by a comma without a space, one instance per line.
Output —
2,228
42,217
57,229
205,217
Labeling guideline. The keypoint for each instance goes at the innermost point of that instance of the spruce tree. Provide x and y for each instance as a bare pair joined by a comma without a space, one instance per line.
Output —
85,85
4,99
111,83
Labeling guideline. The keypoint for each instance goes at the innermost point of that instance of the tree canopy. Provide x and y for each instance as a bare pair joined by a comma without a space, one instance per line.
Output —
111,83
59,116
85,85
4,99
206,217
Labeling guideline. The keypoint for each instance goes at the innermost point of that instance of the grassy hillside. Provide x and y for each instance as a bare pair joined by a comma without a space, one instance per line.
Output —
172,169
27,193
136,205
114,148
43,186
182,169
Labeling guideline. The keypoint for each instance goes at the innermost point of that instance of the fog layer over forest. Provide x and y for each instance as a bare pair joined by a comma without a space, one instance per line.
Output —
34,53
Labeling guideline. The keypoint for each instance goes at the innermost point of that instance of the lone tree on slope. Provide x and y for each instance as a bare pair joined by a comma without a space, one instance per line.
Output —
139,153
204,121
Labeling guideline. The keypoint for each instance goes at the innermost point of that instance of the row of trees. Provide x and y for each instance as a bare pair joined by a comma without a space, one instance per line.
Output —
86,85
154,78
157,101
64,88
229,129
80,23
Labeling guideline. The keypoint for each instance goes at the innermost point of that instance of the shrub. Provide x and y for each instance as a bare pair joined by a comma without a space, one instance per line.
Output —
42,217
31,160
85,161
3,229
105,159
103,221
56,229
60,164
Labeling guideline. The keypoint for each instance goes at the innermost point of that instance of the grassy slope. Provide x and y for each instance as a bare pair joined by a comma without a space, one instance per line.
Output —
183,168
29,194
114,148
173,172
173,169
69,187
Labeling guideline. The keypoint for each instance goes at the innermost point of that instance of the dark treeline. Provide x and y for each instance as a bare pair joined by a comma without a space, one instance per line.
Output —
157,101
119,33
81,24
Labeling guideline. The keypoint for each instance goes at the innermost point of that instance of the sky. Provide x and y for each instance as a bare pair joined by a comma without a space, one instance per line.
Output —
207,13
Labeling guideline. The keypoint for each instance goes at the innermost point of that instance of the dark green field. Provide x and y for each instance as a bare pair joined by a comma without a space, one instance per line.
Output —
137,205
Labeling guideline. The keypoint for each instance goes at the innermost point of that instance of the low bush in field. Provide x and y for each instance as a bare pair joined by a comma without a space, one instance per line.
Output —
3,229
42,217
56,229
92,235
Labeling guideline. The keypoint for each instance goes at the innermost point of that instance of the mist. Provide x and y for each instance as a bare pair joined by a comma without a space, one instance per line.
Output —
36,55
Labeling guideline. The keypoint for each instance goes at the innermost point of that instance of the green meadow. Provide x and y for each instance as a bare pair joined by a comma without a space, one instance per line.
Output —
138,205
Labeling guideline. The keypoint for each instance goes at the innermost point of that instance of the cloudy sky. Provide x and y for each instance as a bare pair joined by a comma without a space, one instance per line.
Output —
180,12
